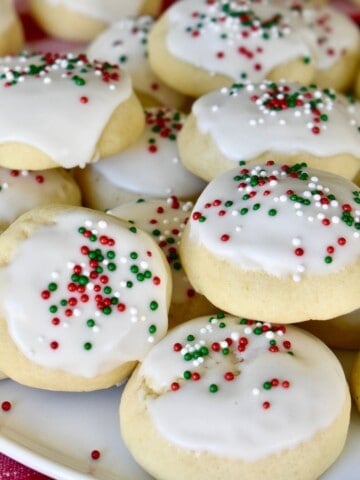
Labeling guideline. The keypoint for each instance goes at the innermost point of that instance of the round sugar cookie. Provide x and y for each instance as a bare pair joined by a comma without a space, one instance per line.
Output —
355,381
337,47
63,110
22,190
165,221
125,42
11,31
223,397
284,121
197,46
272,241
83,20
149,168
93,301
341,332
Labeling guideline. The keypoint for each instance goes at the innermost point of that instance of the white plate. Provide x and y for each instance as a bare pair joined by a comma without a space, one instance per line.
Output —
55,434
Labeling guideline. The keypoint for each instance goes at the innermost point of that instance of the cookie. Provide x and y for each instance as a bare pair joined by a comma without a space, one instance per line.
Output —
165,221
337,47
92,303
276,243
149,168
125,42
342,332
92,105
11,31
83,20
223,397
22,190
198,46
287,122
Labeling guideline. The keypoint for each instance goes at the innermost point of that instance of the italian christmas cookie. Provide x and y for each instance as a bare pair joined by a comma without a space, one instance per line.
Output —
94,112
149,168
249,122
22,190
83,20
224,397
355,381
93,301
277,243
197,46
125,42
165,221
337,52
342,332
11,32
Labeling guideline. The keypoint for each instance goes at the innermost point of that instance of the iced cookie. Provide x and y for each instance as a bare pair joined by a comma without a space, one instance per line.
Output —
341,332
149,168
83,20
93,301
63,110
22,190
287,122
125,42
337,52
165,220
223,397
197,46
276,243
11,32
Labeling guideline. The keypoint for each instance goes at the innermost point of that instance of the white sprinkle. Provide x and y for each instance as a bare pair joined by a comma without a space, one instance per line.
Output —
255,391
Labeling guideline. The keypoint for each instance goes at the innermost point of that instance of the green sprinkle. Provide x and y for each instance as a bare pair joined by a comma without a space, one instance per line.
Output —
152,329
213,388
87,346
154,305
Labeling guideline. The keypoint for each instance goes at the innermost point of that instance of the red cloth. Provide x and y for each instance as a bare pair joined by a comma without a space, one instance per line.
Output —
12,470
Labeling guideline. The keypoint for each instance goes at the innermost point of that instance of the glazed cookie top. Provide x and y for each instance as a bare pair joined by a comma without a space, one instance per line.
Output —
281,117
125,42
7,14
335,34
165,220
105,10
248,39
261,379
85,92
21,190
95,295
151,166
286,221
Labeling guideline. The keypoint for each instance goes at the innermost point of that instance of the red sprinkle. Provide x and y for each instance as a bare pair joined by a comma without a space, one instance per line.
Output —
95,454
6,406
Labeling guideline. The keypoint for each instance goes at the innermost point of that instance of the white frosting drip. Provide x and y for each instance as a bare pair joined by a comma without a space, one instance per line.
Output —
22,190
48,256
233,422
105,10
243,125
206,36
125,42
7,14
165,220
26,116
270,231
160,173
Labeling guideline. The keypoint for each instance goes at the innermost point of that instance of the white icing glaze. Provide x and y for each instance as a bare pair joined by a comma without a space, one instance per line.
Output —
286,227
255,36
233,422
165,221
49,256
249,119
125,42
7,14
151,166
105,10
335,34
214,52
22,190
26,116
